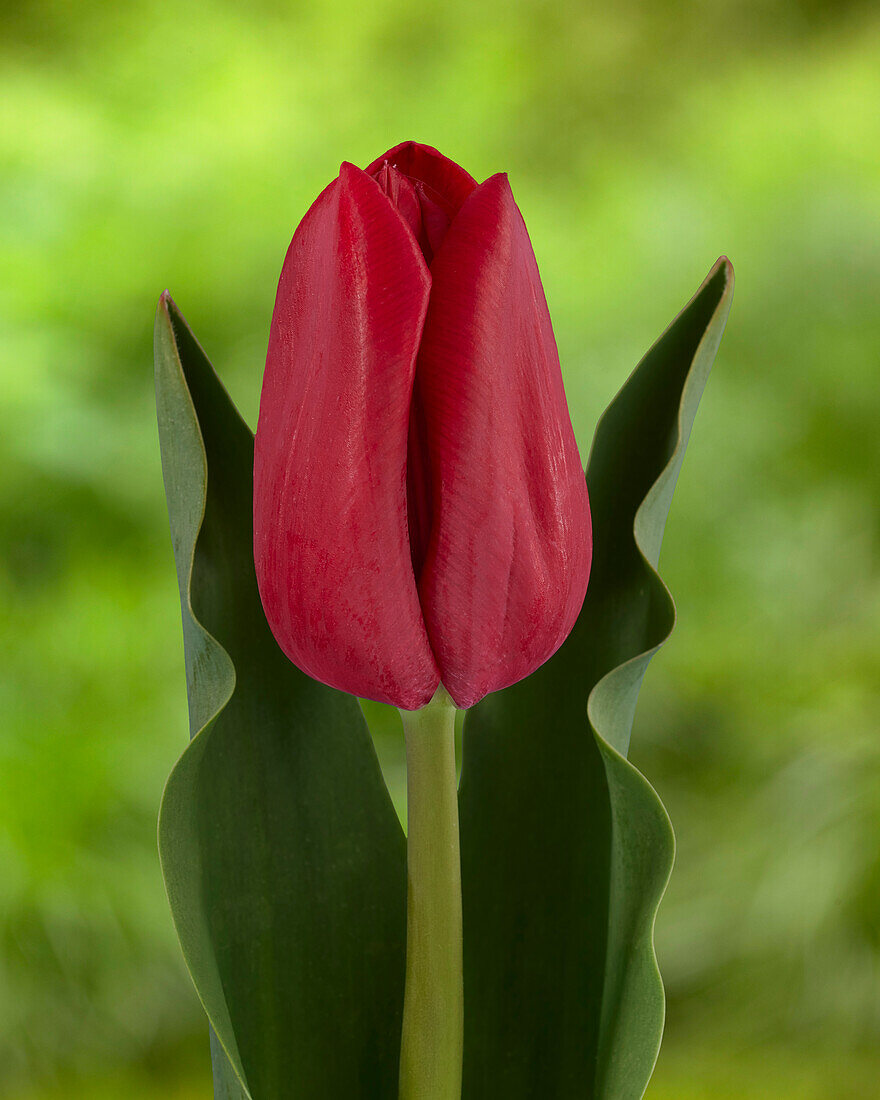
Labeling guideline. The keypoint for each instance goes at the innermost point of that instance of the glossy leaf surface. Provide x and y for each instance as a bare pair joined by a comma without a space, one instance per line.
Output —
566,848
282,855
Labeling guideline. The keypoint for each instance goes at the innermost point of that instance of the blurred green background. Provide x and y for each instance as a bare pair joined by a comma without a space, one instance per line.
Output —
147,145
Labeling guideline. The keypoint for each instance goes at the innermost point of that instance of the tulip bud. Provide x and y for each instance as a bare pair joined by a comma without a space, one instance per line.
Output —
420,508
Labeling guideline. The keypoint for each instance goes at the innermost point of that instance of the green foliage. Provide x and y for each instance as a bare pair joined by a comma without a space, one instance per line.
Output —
283,858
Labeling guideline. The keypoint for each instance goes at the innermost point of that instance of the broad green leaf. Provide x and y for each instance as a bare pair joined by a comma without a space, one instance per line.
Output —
566,848
283,858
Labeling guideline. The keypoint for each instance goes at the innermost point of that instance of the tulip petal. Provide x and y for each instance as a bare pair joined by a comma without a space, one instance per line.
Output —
509,554
445,182
330,516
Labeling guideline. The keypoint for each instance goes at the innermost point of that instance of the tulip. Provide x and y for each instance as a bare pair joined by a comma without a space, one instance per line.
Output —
420,509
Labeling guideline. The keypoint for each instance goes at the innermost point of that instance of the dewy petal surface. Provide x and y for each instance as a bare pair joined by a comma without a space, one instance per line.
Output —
330,519
510,547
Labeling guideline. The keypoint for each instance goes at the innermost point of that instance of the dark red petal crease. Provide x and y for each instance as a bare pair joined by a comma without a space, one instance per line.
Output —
509,554
330,515
445,182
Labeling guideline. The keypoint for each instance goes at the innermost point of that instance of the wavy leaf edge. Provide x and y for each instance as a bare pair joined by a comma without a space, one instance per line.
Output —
222,1029
669,471
633,669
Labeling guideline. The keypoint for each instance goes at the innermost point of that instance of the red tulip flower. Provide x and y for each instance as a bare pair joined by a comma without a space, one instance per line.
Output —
420,508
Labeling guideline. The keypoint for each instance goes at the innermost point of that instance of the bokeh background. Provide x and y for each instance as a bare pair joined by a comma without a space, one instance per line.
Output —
148,144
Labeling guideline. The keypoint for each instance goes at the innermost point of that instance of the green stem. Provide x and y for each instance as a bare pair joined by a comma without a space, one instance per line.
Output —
431,1041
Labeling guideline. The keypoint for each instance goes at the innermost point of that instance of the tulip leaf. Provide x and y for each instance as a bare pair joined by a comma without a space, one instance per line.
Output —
566,848
283,858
